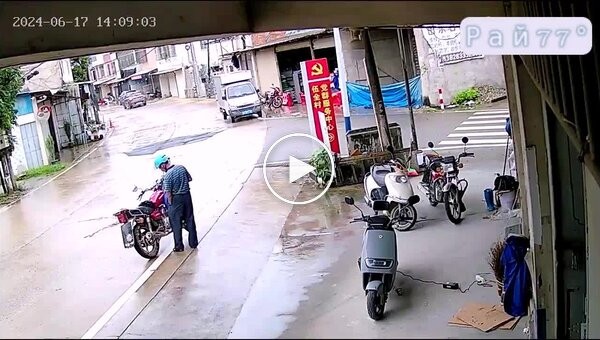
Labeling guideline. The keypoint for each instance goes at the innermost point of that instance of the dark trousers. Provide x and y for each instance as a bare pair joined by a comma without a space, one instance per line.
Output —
182,209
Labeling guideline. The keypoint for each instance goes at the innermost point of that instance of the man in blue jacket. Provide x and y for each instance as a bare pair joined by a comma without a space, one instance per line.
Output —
176,185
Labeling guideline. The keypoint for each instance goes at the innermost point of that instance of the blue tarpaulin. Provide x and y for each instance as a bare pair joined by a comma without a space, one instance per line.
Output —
517,279
394,95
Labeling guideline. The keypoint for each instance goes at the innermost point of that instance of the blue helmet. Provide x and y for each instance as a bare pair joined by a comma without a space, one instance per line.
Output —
160,160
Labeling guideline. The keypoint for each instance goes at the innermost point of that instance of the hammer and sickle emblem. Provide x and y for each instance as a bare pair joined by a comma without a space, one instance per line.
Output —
316,69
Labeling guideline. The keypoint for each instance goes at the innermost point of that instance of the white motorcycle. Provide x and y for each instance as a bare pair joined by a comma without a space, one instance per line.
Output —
389,182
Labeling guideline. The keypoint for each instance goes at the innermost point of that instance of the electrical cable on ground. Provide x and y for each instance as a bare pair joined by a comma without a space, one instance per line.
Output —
447,285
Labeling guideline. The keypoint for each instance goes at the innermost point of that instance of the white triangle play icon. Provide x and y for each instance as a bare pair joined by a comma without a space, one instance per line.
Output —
298,169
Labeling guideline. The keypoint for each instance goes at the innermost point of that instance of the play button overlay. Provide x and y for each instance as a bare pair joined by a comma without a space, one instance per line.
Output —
299,169
294,149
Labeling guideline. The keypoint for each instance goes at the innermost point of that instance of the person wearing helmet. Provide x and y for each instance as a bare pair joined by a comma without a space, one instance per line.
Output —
176,185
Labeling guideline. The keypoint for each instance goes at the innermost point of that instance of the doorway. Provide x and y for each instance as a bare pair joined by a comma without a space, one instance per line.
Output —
570,242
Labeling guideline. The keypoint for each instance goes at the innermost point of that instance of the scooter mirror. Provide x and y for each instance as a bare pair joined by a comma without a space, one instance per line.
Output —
135,188
349,200
465,140
430,144
390,149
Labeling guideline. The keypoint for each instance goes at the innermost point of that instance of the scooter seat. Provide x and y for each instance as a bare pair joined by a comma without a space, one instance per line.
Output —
378,172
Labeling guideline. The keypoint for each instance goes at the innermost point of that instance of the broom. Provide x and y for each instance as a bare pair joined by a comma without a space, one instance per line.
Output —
494,260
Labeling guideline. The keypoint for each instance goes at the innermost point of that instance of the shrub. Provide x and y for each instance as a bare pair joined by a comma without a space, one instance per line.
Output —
466,95
320,160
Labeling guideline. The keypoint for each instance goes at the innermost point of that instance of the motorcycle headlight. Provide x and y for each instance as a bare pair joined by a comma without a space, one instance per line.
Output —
401,179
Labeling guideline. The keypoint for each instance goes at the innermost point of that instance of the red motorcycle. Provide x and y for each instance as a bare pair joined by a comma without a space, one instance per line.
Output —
272,99
144,226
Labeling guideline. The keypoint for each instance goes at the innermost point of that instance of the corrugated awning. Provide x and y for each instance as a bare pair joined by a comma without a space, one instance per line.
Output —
114,81
168,70
291,38
103,81
138,75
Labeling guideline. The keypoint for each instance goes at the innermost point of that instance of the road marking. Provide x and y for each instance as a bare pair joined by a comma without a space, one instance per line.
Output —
484,122
487,127
469,146
477,134
491,112
474,141
489,117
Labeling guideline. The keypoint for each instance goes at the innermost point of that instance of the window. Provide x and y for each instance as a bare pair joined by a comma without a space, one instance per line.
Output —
241,90
92,59
141,57
93,75
100,70
165,52
126,59
111,69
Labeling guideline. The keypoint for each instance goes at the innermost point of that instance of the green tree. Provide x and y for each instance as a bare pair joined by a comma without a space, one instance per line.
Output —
80,67
11,82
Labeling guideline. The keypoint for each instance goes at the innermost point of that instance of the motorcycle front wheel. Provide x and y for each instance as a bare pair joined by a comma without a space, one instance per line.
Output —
375,307
406,216
144,242
452,205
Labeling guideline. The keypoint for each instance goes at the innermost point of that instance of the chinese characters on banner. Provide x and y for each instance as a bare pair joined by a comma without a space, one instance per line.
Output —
317,92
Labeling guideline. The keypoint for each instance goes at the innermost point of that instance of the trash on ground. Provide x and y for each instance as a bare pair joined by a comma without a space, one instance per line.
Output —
485,317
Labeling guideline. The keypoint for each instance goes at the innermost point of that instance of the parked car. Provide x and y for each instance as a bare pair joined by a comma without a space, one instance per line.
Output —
134,100
125,94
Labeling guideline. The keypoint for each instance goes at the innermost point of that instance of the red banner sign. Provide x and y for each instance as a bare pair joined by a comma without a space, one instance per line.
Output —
319,102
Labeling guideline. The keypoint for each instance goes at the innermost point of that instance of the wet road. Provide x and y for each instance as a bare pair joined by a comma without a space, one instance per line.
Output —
60,246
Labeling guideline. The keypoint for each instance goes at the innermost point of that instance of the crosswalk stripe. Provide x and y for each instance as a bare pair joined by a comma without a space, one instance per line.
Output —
490,112
489,117
496,121
485,127
469,146
475,141
477,134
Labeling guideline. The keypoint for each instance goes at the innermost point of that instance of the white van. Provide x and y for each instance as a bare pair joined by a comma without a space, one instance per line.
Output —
236,95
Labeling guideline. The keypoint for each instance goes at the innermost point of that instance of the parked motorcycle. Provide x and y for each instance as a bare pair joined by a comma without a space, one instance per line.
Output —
273,99
389,182
144,226
378,260
441,183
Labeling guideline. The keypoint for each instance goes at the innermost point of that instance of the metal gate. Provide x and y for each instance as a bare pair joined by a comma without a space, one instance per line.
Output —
31,146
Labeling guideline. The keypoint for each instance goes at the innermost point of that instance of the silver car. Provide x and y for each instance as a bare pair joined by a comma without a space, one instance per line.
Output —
134,100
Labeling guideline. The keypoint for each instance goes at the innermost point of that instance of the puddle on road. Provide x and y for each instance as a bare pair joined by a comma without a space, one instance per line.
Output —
152,148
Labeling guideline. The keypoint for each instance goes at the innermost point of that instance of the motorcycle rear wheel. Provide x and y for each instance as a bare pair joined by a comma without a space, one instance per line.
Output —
375,307
276,102
146,249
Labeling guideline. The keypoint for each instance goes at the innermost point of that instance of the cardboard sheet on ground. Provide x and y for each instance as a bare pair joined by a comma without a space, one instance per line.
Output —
485,317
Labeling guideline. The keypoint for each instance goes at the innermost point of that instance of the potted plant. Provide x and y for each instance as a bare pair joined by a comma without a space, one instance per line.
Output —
320,160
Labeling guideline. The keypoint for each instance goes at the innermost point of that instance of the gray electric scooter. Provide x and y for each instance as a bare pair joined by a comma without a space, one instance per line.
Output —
378,260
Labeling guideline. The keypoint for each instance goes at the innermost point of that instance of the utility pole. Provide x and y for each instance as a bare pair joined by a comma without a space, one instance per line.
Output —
195,70
208,81
339,52
376,95
414,145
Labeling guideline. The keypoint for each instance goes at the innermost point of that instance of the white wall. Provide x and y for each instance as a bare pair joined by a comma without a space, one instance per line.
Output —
267,69
173,83
452,78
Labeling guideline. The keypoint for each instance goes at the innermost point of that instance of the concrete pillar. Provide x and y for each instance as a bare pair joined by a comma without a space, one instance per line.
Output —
533,168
